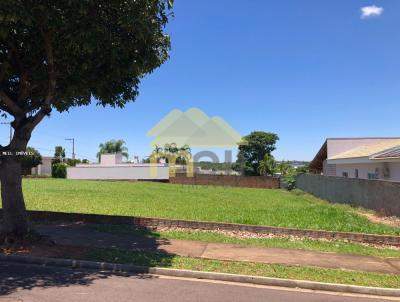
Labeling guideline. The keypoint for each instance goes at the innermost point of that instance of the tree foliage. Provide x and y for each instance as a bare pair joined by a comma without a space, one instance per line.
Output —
59,170
172,151
61,54
31,159
268,166
258,144
59,154
56,55
113,147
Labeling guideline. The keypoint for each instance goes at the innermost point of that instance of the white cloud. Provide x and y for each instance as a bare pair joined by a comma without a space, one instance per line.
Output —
371,11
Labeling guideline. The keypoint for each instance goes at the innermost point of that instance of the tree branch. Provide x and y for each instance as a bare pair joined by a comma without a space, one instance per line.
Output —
14,50
12,107
34,120
24,86
51,84
4,66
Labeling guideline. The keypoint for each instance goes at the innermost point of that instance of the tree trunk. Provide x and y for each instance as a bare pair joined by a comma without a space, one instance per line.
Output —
15,218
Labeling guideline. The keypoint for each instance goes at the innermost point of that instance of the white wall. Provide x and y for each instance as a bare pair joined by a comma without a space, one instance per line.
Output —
364,169
120,172
110,159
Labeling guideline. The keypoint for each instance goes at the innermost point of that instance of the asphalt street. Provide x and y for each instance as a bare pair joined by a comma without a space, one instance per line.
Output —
51,284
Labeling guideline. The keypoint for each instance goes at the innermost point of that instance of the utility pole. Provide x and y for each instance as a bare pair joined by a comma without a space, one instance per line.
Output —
73,146
8,123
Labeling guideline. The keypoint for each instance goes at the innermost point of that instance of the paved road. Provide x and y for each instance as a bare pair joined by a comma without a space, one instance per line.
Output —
48,284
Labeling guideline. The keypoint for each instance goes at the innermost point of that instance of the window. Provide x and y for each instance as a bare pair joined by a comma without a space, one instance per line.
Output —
345,174
356,173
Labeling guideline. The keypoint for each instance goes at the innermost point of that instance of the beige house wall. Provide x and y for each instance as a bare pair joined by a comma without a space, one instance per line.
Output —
386,171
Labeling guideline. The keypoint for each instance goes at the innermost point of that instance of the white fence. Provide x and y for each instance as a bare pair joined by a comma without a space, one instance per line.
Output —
119,172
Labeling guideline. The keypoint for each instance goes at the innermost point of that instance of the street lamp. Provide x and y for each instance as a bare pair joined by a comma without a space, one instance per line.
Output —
73,146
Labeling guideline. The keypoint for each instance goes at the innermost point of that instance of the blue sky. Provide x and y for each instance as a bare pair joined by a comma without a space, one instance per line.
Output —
305,70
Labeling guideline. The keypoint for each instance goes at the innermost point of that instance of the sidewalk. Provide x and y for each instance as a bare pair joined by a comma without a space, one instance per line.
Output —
79,235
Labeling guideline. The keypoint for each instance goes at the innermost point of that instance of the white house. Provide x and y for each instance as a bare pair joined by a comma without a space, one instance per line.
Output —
364,158
112,167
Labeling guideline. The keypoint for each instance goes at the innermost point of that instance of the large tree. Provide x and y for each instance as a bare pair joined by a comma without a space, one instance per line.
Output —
257,145
55,55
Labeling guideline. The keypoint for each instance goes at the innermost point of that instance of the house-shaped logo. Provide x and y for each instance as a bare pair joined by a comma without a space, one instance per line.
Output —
192,128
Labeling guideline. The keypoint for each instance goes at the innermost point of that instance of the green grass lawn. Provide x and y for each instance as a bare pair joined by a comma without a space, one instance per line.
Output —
245,268
223,204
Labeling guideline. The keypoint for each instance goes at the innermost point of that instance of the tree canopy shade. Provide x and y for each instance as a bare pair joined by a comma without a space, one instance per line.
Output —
61,54
258,144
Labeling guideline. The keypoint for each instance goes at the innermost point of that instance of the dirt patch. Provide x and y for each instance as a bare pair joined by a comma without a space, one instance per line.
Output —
386,220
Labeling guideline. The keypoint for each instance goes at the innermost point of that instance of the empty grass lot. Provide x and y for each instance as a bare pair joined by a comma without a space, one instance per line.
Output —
222,204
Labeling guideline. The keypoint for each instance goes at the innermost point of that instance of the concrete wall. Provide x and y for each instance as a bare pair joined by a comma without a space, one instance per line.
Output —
117,172
44,168
265,182
372,194
395,171
111,159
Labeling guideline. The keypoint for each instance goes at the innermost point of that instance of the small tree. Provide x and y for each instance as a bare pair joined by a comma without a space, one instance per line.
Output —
59,154
56,55
31,160
59,170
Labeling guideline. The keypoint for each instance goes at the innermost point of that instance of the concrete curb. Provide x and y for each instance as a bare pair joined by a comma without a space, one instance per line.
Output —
104,266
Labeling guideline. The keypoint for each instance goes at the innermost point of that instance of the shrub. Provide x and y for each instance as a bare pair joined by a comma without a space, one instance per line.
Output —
290,181
59,170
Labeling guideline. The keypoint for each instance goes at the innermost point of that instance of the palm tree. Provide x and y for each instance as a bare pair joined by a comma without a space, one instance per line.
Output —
157,149
284,168
113,147
173,148
267,165
186,148
184,153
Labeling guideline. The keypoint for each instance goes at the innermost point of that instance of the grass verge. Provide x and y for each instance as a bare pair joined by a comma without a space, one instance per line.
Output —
275,242
245,268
